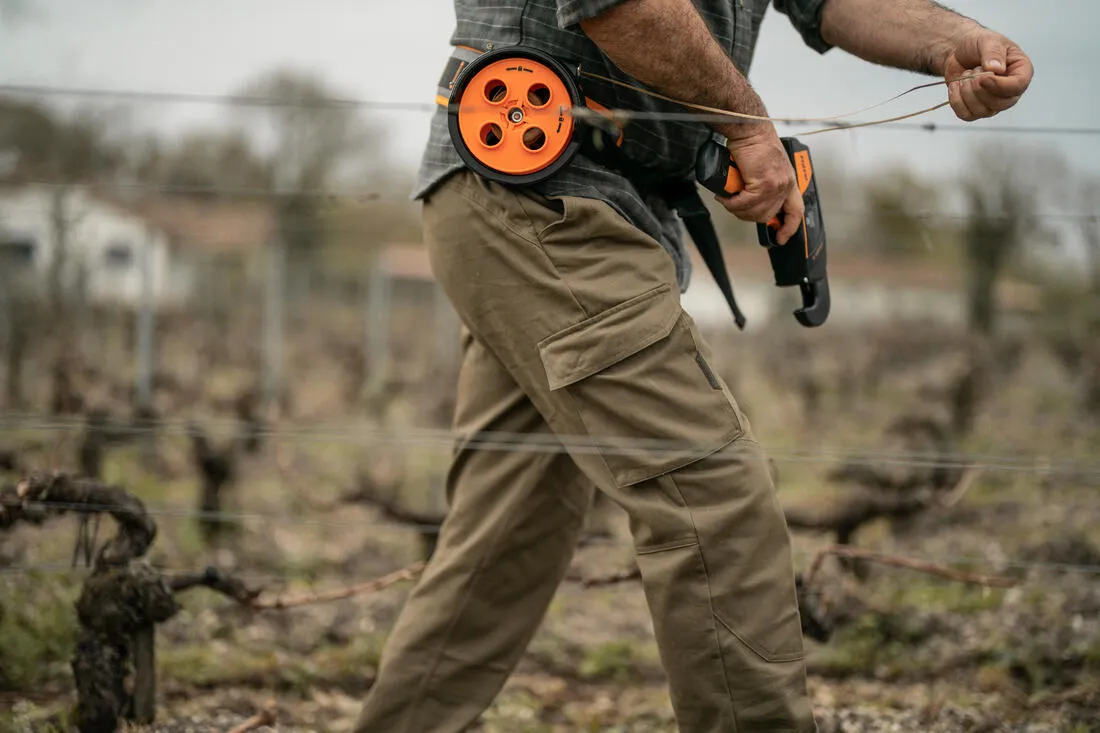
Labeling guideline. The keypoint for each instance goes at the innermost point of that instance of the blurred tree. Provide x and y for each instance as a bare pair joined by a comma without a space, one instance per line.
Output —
1090,231
209,164
43,146
1002,203
18,318
897,202
357,226
48,147
1090,303
316,137
14,11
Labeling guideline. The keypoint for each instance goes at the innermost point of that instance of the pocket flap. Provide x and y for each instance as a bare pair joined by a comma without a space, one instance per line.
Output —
608,337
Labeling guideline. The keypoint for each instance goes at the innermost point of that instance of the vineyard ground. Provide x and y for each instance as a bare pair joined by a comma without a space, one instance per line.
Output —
923,653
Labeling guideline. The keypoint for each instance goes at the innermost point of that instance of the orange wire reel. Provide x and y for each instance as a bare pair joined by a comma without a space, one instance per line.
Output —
510,115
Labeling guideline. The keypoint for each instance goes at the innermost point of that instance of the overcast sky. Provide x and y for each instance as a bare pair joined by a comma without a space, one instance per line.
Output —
383,50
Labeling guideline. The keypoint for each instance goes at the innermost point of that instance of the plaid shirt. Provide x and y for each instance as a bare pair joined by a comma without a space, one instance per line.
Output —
669,145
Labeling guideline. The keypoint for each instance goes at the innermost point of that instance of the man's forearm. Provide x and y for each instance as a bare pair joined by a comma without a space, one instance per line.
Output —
907,34
666,45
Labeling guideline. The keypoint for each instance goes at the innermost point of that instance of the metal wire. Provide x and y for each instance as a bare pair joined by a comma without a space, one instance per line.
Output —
600,445
182,512
337,196
164,96
66,569
179,512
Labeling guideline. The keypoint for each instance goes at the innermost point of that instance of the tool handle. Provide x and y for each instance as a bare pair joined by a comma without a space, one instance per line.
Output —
716,171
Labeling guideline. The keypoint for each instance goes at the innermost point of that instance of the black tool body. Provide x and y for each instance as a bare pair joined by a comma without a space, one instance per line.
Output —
802,260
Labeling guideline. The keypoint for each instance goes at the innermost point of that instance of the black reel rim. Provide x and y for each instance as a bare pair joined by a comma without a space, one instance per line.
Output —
576,98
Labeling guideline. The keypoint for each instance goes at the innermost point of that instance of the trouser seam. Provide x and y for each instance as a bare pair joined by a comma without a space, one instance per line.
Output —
415,718
502,531
710,601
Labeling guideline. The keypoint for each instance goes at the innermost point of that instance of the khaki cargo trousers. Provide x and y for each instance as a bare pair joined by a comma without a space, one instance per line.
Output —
580,371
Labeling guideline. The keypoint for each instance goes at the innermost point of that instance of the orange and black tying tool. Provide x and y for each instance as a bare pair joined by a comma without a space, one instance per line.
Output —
802,260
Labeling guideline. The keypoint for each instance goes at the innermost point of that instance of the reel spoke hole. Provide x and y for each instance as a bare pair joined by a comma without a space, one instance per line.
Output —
534,138
495,91
538,95
491,135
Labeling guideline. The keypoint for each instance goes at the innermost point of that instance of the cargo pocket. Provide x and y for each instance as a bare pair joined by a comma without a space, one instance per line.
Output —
642,388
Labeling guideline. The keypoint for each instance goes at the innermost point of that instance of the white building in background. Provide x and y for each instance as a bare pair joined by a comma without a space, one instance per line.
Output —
110,240
105,246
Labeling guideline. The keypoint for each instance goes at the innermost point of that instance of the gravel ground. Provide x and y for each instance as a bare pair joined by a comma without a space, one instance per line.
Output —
856,719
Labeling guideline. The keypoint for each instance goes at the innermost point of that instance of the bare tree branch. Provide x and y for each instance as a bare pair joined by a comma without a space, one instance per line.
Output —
922,566
407,573
213,579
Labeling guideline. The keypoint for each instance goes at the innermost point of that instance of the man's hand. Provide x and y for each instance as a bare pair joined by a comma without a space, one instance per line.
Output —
924,36
983,50
770,184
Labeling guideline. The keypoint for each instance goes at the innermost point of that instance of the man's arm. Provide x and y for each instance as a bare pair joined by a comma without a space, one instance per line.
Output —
683,61
926,37
666,45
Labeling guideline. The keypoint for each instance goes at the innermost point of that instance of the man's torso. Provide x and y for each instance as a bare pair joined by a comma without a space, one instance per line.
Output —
665,144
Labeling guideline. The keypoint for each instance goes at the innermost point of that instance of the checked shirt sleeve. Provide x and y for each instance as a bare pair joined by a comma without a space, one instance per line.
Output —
805,16
572,12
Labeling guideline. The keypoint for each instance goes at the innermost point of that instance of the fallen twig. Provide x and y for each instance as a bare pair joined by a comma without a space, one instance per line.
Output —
970,475
260,719
921,566
406,573
622,576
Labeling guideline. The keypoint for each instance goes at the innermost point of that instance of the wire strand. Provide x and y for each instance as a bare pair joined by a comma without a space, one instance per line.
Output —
1007,563
169,511
854,125
36,90
337,197
802,120
611,445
